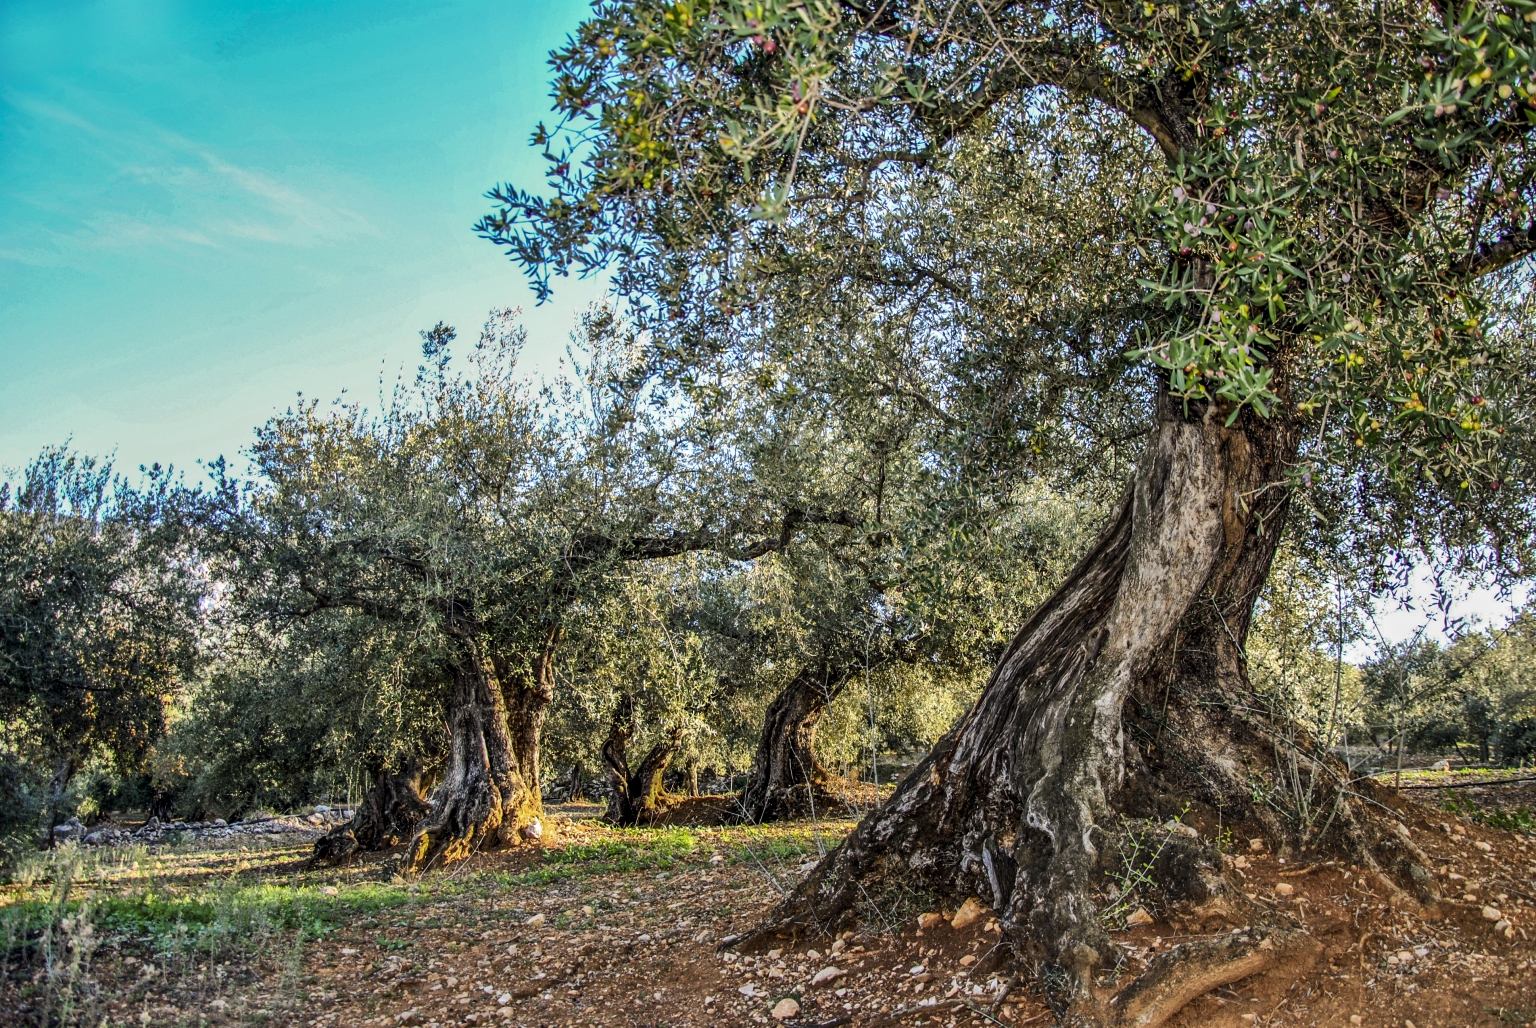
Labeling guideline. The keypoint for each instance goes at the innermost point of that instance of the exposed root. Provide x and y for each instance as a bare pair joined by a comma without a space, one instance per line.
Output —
1187,972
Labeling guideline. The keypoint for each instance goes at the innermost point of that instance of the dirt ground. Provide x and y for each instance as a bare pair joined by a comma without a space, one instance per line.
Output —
615,927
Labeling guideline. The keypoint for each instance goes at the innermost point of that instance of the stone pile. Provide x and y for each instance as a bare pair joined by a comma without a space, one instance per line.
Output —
156,831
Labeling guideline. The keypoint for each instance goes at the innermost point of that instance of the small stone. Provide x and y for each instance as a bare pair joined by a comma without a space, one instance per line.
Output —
1181,828
322,809
329,890
1247,1018
219,822
785,1008
839,946
773,954
1356,1019
971,911
1139,916
811,954
1404,956
827,974
716,860
968,960
1255,845
1492,914
348,952
1409,1024
748,990
535,921
1284,889
503,999
1241,863
928,920
918,969
1485,847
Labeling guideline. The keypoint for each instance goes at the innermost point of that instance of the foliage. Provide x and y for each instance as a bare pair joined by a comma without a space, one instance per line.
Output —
98,618
1318,208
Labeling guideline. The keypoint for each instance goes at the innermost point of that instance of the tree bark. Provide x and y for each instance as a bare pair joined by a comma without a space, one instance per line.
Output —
1125,689
634,795
786,779
388,815
483,800
526,705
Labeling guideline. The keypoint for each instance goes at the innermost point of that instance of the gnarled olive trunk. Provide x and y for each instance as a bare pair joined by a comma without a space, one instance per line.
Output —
388,816
786,779
633,795
527,699
482,800
1125,687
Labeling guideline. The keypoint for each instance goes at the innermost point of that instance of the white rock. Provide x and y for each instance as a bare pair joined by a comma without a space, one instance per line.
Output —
1492,914
1255,845
918,969
827,974
535,921
503,999
748,990
329,890
785,1008
1284,888
1485,847
534,830
1183,829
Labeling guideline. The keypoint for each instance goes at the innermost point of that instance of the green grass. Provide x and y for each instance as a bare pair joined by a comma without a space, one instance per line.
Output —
639,849
1520,819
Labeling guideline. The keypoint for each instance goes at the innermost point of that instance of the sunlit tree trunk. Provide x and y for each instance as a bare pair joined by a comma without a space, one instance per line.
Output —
1126,688
482,800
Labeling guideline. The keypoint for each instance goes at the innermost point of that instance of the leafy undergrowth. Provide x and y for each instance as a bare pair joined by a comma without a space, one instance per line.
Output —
618,927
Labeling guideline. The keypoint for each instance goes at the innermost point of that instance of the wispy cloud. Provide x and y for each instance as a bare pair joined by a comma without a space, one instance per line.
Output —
187,195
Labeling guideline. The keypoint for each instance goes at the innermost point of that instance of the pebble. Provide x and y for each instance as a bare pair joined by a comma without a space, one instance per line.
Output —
1255,845
1485,847
929,920
785,1008
1139,916
827,974
1492,914
1284,889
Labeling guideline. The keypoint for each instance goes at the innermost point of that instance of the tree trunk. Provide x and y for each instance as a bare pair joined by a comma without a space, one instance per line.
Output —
633,796
57,786
483,800
388,815
526,704
786,779
1124,695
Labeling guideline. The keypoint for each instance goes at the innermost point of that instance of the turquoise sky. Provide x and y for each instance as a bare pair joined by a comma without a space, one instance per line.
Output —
207,207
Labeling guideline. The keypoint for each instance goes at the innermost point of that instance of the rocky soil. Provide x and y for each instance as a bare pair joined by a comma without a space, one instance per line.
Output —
609,927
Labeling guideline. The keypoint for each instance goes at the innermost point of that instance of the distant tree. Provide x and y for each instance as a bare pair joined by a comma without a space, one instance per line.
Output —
99,614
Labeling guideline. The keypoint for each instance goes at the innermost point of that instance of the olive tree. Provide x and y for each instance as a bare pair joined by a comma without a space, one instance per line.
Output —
1311,208
99,614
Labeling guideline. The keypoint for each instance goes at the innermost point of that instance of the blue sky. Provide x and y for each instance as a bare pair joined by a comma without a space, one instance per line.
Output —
206,208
